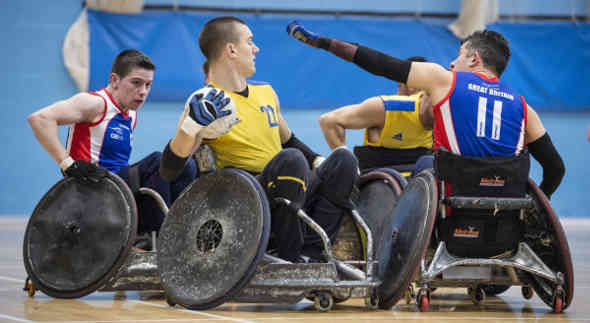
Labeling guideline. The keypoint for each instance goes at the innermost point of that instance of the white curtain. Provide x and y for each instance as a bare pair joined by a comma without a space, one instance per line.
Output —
474,15
75,50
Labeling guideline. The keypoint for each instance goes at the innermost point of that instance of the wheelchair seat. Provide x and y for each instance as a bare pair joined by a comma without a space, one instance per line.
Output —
481,202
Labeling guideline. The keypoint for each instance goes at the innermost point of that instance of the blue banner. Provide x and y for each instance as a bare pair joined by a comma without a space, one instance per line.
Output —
549,64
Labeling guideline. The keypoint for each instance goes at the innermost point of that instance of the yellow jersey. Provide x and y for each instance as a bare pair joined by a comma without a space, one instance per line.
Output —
402,129
253,142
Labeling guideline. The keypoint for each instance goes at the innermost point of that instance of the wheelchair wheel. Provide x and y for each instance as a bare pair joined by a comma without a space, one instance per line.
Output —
79,235
543,222
405,239
213,239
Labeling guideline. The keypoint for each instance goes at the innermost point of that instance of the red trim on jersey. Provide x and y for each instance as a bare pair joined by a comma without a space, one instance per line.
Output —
438,133
104,113
125,114
489,79
80,148
525,110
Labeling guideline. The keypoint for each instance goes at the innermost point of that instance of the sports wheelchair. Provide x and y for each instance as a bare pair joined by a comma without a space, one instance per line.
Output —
212,245
490,228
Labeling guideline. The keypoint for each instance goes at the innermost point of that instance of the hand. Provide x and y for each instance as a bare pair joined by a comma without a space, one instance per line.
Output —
206,108
297,31
85,171
203,107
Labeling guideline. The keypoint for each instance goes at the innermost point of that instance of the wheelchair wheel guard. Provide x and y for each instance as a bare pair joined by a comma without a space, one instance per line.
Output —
406,238
545,226
79,235
213,238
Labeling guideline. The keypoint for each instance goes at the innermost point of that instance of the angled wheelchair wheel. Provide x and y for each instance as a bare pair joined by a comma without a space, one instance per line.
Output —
379,192
79,235
406,238
213,238
548,241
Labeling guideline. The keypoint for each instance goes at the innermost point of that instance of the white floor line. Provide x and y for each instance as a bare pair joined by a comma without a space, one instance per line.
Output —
15,319
219,317
12,279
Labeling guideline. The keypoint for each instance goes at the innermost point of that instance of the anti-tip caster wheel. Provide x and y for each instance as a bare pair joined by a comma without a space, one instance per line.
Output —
478,295
323,301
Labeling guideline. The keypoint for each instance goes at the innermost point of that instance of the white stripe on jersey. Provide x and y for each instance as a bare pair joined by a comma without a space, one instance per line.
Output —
445,110
520,144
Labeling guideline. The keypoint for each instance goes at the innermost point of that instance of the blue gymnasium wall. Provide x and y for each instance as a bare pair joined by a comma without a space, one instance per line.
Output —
550,62
32,34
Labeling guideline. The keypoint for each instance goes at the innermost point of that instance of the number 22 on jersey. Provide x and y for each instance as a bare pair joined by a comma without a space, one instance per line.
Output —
271,115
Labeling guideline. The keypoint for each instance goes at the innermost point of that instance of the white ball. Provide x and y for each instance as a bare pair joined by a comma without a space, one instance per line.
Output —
220,126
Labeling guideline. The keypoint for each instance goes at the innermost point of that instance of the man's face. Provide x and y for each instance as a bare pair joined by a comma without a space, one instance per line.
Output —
246,51
464,62
131,91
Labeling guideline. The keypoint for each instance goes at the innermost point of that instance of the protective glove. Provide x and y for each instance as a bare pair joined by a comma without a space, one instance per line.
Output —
204,106
84,171
299,32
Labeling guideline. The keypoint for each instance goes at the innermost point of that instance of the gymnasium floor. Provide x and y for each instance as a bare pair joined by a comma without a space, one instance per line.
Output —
448,305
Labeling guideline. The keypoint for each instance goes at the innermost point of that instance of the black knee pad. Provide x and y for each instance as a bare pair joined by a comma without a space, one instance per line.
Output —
287,176
338,176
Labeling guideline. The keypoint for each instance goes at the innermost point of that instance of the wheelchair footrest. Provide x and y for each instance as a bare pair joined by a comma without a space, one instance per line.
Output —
525,259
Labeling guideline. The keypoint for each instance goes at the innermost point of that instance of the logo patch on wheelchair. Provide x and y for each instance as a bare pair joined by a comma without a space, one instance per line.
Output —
497,181
469,232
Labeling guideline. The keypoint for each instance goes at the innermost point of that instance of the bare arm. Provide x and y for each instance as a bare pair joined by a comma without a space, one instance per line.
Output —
431,77
368,114
534,127
80,108
284,131
542,149
425,113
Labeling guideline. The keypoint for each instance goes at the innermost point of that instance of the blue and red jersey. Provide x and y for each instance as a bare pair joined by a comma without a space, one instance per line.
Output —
107,142
480,117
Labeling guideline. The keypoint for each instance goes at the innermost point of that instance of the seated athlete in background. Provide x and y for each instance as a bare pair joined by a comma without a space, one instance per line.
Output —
101,132
398,128
263,144
474,113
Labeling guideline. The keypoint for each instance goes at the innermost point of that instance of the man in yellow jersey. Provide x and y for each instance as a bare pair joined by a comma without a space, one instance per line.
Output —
398,128
263,144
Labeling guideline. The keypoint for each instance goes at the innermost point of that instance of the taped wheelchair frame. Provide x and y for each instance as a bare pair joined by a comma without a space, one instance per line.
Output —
211,248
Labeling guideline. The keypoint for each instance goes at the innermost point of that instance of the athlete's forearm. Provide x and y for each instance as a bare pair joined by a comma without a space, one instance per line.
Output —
46,132
334,133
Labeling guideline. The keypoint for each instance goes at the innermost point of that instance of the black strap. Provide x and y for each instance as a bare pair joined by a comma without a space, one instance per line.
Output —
381,64
171,165
545,153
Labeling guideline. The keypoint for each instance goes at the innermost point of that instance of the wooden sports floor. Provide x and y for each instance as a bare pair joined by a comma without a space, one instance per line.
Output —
447,305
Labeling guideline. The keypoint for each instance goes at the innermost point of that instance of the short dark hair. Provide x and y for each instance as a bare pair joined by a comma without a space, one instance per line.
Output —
130,59
492,47
216,33
417,59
